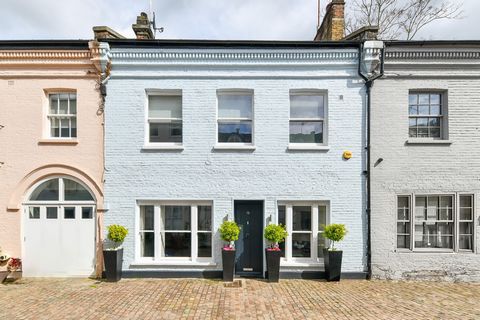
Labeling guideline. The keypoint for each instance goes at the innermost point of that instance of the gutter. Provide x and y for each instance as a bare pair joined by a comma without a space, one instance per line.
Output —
369,84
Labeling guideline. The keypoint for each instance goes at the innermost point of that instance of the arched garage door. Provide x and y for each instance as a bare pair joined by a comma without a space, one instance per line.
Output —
59,230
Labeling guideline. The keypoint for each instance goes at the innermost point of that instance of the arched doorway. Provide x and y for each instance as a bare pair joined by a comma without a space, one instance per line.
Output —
59,229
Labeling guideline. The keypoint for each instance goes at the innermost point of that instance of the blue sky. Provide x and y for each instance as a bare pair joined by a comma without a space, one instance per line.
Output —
192,19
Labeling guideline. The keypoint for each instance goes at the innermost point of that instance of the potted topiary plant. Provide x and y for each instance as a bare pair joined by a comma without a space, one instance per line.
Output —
332,256
274,233
229,232
113,256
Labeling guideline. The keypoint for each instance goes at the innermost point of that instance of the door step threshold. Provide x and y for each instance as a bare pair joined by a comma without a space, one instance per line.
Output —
237,283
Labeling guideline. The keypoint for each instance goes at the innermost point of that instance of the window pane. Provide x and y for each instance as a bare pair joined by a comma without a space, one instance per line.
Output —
54,104
466,201
413,110
204,218
34,212
432,210
403,242
73,103
424,109
235,106
87,213
306,106
465,214
176,217
403,208
69,213
465,242
412,132
321,245
63,104
166,132
413,99
165,107
146,217
420,208
435,98
147,244
232,132
64,128
282,215
306,132
302,218
435,132
435,110
322,217
46,191
73,127
52,212
54,128
422,122
204,245
177,244
74,191
301,245
466,228
423,99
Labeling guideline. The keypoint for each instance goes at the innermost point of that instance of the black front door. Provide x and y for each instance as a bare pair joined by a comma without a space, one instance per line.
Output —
249,247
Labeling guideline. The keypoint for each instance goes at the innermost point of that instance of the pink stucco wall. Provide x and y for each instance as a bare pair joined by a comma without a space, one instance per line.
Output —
26,155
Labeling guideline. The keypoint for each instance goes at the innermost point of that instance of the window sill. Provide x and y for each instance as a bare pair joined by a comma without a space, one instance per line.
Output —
430,251
307,147
162,147
428,141
160,263
58,141
234,147
301,264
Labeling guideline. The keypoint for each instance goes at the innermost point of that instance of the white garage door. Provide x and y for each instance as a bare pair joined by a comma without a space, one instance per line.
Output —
59,230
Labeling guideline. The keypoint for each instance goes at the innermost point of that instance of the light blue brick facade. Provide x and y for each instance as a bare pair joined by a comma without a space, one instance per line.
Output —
271,172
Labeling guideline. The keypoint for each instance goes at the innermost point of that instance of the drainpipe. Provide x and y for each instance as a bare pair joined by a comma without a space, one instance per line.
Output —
370,52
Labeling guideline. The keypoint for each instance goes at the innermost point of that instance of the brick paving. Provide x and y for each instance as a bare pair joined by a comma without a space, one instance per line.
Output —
256,299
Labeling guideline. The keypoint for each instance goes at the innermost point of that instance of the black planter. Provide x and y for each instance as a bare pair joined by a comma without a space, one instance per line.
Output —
333,264
273,265
113,264
228,262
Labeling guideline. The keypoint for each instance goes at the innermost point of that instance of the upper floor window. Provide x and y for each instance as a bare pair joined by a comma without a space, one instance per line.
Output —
307,117
435,222
235,116
62,115
426,114
165,118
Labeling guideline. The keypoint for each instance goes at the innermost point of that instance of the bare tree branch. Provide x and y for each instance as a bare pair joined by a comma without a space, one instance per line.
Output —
399,19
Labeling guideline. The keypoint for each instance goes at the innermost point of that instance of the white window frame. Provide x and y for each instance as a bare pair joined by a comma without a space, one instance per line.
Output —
148,120
443,114
324,119
59,116
158,258
456,222
235,145
314,258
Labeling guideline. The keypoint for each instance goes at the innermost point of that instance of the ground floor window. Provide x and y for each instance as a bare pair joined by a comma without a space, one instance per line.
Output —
304,223
175,230
438,222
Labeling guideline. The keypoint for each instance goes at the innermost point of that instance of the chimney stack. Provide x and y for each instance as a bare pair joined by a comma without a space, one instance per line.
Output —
142,28
333,24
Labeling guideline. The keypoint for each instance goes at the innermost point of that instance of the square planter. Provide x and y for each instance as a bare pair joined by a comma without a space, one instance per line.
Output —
228,263
113,264
333,264
273,265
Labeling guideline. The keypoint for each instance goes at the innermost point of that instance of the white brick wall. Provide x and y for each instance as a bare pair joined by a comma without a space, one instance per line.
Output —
269,173
422,169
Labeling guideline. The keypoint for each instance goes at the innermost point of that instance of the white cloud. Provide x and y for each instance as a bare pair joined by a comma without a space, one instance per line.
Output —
189,19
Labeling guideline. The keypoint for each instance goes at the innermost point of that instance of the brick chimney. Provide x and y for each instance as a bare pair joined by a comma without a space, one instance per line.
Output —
333,24
104,32
142,28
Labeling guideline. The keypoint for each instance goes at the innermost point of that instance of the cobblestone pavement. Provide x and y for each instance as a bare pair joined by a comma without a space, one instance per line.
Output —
255,299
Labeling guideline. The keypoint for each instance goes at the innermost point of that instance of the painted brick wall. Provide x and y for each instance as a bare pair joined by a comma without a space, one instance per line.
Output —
269,173
422,169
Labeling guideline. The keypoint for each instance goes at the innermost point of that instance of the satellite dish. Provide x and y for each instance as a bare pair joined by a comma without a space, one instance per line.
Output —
153,23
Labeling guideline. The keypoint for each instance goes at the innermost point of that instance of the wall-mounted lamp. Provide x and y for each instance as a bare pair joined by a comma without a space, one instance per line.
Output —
347,155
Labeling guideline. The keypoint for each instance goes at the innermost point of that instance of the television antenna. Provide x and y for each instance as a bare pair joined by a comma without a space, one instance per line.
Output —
153,23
